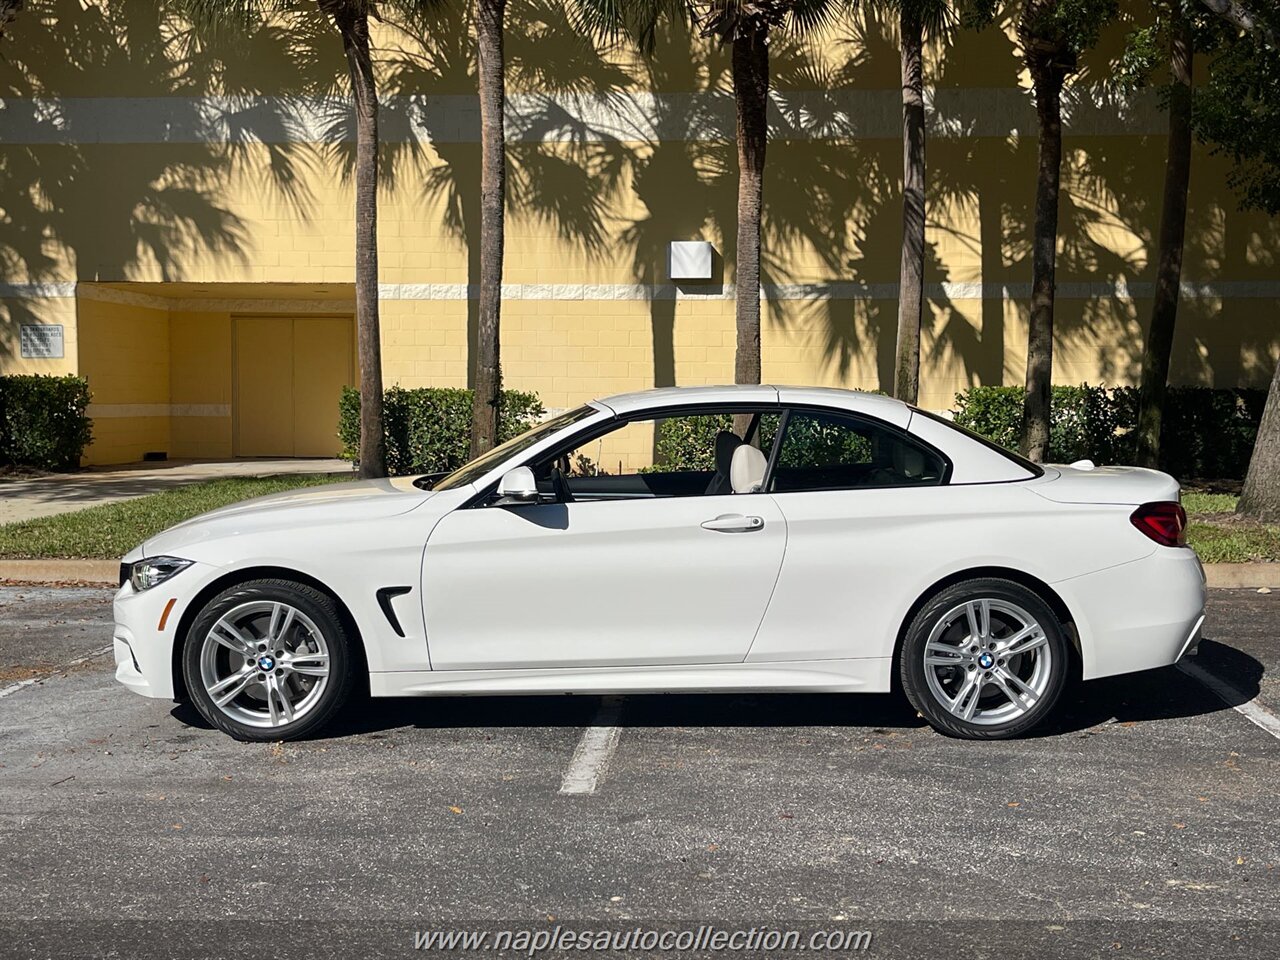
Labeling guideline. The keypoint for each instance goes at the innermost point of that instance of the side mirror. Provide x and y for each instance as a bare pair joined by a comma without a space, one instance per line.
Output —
517,486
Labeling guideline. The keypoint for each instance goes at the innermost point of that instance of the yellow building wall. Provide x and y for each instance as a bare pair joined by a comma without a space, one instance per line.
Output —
124,354
200,377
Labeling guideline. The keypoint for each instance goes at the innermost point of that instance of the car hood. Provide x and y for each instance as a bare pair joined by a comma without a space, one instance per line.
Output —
337,503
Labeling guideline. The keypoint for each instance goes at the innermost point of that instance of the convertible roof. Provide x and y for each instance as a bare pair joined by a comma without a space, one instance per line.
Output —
682,396
886,408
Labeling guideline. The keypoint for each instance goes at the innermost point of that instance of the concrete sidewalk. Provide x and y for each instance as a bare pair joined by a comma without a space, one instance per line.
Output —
54,493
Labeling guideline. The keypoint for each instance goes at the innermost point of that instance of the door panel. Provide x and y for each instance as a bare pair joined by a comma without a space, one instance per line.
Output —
603,583
289,375
264,387
321,368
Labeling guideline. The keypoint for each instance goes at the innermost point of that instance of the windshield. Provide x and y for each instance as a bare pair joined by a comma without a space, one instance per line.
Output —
470,472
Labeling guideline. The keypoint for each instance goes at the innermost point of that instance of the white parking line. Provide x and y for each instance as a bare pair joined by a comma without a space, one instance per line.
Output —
598,742
60,668
1254,712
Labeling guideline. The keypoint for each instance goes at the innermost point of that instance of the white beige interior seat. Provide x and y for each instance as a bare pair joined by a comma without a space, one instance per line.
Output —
746,472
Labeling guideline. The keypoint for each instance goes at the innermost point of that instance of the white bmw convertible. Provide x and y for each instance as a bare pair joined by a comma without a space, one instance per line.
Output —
749,538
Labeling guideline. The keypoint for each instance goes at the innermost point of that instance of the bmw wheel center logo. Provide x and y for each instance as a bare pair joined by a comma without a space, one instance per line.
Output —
985,661
266,662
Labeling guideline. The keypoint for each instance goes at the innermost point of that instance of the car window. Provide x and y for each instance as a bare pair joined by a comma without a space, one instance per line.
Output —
659,456
829,451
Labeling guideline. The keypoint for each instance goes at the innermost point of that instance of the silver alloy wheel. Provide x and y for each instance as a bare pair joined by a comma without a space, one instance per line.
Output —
987,661
265,663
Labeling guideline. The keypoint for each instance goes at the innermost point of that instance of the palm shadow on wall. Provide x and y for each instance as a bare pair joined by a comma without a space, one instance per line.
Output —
112,210
562,172
989,169
617,186
863,205
686,179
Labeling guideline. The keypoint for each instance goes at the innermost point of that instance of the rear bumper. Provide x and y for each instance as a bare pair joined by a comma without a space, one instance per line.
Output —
1138,615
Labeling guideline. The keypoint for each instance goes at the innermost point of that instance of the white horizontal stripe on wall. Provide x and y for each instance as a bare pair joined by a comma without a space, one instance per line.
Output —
838,290
108,411
628,117
150,301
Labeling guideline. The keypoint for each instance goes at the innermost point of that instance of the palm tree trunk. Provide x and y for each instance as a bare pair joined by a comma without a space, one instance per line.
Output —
1173,225
1260,498
906,378
493,174
1035,417
355,44
751,99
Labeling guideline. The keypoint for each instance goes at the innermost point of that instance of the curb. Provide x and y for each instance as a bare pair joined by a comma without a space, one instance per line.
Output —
1248,575
104,572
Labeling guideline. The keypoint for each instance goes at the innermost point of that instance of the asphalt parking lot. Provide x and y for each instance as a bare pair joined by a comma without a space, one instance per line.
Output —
1144,822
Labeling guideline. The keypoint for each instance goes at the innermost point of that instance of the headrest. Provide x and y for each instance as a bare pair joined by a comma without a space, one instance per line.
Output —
746,473
726,442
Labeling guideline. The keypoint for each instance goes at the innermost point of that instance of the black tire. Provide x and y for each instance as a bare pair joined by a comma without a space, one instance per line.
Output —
311,603
940,610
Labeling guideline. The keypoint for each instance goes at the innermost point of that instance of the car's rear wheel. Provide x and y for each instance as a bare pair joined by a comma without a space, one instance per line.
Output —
985,659
268,660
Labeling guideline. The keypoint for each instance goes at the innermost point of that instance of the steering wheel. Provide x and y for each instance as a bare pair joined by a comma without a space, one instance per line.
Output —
560,486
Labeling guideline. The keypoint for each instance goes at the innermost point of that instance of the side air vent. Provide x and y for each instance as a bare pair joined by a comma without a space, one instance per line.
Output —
385,595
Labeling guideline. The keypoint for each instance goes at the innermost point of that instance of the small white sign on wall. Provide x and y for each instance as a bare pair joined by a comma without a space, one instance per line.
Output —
41,341
689,260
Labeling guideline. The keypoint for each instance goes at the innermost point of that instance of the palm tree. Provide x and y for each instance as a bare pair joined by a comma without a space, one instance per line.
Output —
1052,34
351,19
1173,226
744,26
916,18
489,16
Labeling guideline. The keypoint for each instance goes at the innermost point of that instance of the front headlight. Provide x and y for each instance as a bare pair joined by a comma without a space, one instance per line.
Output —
152,571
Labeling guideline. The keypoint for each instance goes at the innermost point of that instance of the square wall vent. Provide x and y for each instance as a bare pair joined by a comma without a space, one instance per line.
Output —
689,260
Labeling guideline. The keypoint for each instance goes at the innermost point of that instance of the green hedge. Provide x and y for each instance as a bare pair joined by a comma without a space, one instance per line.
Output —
429,428
43,422
1206,433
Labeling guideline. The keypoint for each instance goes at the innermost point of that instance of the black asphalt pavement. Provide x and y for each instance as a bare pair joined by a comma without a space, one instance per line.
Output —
1145,821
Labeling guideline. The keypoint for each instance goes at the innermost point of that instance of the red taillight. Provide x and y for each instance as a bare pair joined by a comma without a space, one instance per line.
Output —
1164,522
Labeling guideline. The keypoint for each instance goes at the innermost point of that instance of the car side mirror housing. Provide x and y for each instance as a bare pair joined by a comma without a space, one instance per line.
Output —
517,486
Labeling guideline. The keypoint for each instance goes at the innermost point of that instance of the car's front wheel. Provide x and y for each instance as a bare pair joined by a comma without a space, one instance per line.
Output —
985,659
268,660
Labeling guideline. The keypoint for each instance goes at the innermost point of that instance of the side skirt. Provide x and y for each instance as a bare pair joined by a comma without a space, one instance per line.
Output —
868,675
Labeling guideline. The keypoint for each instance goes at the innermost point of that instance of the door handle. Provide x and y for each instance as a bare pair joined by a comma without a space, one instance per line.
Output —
733,523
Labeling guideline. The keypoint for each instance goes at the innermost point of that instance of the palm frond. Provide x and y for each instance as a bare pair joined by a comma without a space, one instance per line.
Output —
220,15
636,20
809,16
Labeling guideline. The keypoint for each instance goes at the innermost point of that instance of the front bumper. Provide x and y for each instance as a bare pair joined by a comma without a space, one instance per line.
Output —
1139,615
144,651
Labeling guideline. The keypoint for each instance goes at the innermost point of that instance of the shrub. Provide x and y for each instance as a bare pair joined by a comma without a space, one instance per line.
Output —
689,443
43,422
994,412
1206,433
429,428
